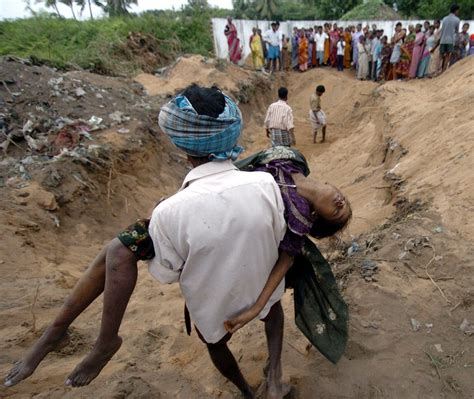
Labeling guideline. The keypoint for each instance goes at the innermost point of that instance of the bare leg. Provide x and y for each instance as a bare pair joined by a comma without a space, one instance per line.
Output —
274,332
121,277
324,134
225,362
88,288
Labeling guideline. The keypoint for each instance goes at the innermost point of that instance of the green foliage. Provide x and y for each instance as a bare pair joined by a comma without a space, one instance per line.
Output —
372,9
266,9
431,9
334,9
296,11
96,44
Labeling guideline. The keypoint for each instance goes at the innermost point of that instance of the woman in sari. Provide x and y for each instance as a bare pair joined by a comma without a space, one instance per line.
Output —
255,44
406,53
363,69
348,48
235,52
435,57
303,51
334,38
286,54
425,58
386,54
294,48
327,47
418,50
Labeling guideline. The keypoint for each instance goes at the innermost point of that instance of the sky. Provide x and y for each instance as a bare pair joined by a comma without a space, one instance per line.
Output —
11,9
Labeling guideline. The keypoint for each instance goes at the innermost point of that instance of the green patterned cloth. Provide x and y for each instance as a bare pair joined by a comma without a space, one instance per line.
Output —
321,313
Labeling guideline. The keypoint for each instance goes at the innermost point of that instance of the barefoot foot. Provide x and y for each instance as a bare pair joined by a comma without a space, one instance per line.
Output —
49,341
93,363
278,391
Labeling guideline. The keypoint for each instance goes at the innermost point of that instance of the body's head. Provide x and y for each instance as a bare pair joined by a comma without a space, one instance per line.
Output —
320,90
384,40
398,27
437,23
274,26
465,28
431,30
331,211
426,25
411,28
229,20
418,28
320,30
254,31
359,27
283,93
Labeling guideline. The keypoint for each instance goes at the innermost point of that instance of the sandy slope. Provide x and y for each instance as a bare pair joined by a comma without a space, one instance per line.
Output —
430,157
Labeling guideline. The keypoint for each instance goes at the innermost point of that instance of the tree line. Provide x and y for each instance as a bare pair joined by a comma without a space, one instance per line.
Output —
112,7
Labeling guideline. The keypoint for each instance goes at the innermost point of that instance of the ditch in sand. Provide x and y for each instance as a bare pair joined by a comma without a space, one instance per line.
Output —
403,154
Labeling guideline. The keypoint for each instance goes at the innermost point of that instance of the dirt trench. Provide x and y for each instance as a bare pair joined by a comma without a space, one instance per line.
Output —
408,284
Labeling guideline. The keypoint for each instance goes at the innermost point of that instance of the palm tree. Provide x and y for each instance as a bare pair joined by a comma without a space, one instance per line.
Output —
83,3
266,8
51,4
70,4
119,7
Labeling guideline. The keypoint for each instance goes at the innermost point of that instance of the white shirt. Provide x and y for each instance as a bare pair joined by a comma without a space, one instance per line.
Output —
320,39
279,116
219,237
273,38
340,48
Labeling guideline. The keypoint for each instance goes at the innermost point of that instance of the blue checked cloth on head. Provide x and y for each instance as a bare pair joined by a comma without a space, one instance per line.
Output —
202,135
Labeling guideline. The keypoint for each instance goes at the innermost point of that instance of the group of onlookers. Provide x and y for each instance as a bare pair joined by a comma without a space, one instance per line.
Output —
416,52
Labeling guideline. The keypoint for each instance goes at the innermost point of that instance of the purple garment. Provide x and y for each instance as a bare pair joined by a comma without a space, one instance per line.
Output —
297,209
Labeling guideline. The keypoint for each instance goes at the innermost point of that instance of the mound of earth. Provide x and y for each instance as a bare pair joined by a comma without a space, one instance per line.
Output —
401,152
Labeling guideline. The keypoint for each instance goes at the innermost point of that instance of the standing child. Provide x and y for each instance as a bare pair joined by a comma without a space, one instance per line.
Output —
316,114
341,45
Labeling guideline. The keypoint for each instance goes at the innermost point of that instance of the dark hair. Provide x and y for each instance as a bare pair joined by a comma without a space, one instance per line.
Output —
398,24
323,228
205,100
320,89
283,93
454,8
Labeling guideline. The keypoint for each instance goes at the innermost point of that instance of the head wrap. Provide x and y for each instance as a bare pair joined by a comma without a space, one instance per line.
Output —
202,135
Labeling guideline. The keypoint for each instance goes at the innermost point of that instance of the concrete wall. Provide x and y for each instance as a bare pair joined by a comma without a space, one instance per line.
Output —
244,28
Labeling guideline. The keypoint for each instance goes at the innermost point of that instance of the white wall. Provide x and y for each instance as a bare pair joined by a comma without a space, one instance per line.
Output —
244,29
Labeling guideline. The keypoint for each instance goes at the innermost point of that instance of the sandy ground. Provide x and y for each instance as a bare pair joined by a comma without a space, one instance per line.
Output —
403,154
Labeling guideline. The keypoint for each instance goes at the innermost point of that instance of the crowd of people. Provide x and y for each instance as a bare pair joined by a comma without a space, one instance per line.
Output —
415,51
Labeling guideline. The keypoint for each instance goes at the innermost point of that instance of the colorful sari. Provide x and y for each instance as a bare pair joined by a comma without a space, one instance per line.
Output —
435,58
334,38
327,50
285,56
425,58
347,49
257,52
303,53
386,54
235,53
294,51
417,54
406,54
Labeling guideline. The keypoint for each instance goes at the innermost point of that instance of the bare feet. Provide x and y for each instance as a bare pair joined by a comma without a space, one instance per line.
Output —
278,391
49,341
93,363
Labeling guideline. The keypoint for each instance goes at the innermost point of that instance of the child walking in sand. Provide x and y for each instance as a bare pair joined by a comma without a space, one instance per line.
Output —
316,114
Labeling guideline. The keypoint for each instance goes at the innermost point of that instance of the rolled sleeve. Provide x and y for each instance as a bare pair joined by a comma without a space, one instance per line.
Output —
291,123
167,264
